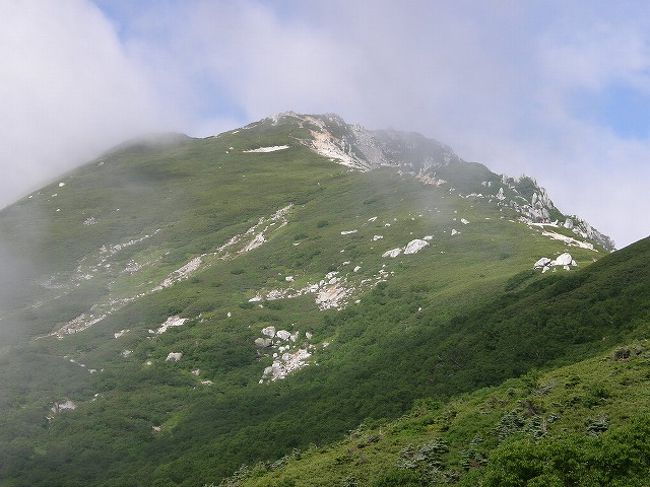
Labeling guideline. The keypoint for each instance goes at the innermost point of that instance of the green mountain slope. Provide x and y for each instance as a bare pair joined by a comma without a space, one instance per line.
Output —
584,424
581,424
177,308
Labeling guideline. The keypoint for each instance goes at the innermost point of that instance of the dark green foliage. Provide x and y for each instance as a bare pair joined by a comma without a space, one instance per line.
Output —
617,458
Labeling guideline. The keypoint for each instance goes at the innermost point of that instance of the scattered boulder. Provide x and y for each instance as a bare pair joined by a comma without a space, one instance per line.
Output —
392,253
564,260
414,246
463,221
174,356
269,331
263,342
283,335
286,364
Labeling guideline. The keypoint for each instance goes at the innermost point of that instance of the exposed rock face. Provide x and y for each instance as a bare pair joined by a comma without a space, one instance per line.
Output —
78,324
569,240
59,407
362,149
180,274
172,321
287,363
288,356
120,333
255,243
332,296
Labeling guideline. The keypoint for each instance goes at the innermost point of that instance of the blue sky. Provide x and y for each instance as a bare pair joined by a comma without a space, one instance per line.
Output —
621,108
557,90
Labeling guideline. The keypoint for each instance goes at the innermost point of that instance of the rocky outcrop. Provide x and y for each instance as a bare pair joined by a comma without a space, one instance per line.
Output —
174,356
171,322
426,159
564,260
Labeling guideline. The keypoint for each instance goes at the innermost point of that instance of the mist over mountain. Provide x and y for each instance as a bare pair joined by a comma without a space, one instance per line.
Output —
305,301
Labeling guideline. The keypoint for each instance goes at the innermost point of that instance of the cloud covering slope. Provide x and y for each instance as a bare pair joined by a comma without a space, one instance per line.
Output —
557,91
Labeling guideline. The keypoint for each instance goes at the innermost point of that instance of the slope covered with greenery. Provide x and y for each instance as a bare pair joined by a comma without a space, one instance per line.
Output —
583,424
586,424
235,242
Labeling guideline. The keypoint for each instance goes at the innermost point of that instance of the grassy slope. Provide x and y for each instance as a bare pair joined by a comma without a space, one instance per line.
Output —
584,424
384,353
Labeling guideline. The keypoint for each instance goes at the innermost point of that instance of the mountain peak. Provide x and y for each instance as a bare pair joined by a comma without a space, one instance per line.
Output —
434,163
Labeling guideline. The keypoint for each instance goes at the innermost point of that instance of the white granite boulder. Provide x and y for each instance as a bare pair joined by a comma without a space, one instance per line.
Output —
414,246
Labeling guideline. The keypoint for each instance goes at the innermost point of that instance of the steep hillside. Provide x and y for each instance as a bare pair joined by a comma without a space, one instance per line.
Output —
181,306
582,424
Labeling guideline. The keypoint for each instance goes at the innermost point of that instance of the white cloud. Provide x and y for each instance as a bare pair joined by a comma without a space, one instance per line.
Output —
68,91
494,80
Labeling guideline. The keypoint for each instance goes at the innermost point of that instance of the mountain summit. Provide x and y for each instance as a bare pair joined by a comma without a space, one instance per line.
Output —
432,163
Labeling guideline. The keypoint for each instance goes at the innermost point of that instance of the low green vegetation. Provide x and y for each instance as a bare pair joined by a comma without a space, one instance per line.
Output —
423,331
584,424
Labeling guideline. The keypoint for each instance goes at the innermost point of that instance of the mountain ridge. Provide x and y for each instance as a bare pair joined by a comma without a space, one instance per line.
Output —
226,300
356,147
